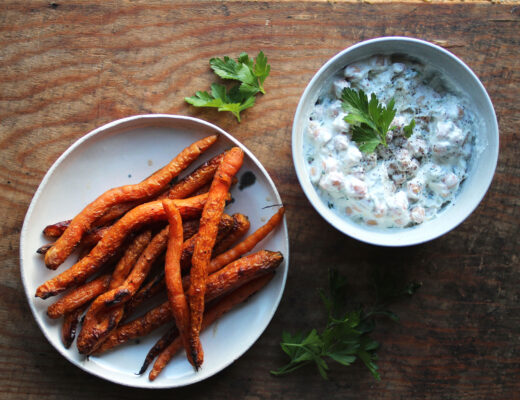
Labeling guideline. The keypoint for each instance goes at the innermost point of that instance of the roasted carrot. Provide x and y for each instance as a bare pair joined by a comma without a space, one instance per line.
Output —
79,296
197,179
106,311
157,283
70,323
116,211
172,275
146,292
190,228
225,226
43,249
129,258
138,192
83,252
56,230
241,271
247,244
203,189
139,216
228,278
139,327
159,346
240,227
210,316
90,239
186,187
207,235
94,236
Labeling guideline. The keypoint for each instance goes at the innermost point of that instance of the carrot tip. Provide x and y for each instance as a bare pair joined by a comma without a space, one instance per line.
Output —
195,362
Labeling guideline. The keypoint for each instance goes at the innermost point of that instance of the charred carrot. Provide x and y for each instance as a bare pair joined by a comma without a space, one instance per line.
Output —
70,324
197,179
115,212
83,252
129,258
94,236
147,291
207,235
240,227
210,316
157,283
43,249
247,244
190,228
139,327
106,311
225,226
89,240
203,189
139,216
159,346
241,271
79,296
230,277
56,230
172,275
186,187
141,191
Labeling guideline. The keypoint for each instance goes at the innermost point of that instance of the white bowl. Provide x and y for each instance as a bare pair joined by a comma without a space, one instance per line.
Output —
127,151
481,168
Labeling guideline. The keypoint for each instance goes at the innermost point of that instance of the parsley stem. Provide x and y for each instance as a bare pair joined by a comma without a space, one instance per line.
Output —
289,368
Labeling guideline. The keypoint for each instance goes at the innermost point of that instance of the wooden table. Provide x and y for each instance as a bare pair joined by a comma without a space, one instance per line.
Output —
71,66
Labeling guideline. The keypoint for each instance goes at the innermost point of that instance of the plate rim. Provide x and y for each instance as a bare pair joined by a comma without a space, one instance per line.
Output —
149,120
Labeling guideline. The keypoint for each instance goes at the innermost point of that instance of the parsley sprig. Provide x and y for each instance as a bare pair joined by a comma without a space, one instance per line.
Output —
370,120
250,73
345,338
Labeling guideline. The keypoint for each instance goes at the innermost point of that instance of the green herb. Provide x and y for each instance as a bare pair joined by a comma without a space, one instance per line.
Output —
408,129
345,338
251,75
370,120
232,100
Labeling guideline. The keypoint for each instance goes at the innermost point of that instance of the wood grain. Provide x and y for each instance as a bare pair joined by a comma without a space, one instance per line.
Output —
69,67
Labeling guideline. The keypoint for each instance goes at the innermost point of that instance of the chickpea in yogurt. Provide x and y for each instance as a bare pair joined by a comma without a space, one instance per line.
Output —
410,180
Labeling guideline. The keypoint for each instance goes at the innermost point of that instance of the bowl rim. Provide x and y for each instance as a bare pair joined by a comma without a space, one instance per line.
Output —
366,234
125,123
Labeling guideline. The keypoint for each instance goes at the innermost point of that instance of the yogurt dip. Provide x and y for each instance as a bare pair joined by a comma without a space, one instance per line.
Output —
411,180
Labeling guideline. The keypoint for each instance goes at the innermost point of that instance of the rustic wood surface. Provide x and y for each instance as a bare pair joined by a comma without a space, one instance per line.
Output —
68,67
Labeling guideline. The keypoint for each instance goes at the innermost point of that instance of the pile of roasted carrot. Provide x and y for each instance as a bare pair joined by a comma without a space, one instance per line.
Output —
137,240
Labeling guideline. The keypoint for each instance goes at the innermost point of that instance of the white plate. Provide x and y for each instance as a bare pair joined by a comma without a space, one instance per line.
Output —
127,151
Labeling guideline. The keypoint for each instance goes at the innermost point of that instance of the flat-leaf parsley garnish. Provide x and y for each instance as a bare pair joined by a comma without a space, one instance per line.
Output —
370,120
346,336
250,73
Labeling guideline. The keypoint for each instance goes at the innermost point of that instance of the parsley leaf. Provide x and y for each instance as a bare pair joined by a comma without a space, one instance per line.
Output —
367,139
408,129
232,100
261,70
345,338
250,73
370,120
